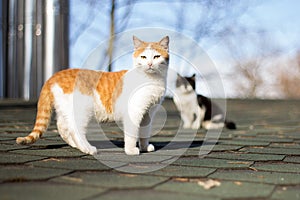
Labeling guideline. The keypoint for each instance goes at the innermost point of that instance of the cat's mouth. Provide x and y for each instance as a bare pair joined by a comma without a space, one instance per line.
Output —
150,70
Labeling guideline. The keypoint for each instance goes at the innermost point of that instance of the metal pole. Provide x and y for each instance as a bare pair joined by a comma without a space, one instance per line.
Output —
56,37
11,62
3,19
49,38
28,36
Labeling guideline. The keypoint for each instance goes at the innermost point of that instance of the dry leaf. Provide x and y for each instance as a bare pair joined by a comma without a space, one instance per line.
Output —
209,184
73,179
129,175
238,183
253,168
238,162
181,179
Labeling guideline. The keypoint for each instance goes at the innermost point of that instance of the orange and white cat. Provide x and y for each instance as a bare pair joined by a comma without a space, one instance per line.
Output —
127,96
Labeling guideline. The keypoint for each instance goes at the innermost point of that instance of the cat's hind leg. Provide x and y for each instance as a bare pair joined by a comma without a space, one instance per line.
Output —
73,114
73,131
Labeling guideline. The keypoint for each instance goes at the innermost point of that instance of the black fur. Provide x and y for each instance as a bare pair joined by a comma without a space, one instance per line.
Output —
212,109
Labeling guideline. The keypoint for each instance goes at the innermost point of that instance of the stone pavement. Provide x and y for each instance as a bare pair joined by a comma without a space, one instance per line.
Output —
259,160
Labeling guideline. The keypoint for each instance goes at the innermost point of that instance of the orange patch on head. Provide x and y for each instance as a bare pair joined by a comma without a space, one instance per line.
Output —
157,47
152,45
141,49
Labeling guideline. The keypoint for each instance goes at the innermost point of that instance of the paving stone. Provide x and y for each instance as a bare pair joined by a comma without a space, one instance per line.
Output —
22,173
46,143
148,195
45,191
8,147
61,152
3,138
213,148
294,135
10,158
244,142
286,193
227,189
246,156
278,167
213,163
267,137
256,176
122,157
184,171
274,138
72,164
220,147
286,145
111,180
293,159
269,150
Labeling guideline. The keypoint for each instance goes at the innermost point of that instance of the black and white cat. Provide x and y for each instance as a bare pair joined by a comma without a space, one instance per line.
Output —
196,110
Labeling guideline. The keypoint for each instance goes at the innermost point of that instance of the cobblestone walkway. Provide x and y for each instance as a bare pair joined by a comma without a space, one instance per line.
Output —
259,160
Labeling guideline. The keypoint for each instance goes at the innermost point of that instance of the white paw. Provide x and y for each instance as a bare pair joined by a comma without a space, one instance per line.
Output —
195,126
186,126
90,150
150,148
132,151
93,150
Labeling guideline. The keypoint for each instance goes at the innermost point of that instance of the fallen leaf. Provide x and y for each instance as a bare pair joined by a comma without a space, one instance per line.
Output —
181,179
52,159
129,175
73,179
253,168
238,162
238,183
209,184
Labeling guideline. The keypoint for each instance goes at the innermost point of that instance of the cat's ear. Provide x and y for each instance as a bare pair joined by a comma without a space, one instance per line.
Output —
164,43
137,42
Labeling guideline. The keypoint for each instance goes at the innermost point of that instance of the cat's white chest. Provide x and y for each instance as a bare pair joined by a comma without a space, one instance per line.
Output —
139,92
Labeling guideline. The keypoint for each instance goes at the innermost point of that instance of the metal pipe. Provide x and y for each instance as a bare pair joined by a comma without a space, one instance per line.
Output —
3,19
11,61
49,38
28,36
56,37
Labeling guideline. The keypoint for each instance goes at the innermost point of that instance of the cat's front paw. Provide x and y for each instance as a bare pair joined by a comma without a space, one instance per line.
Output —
89,150
132,151
150,148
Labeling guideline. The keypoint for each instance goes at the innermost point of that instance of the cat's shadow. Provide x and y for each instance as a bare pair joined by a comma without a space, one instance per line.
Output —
166,145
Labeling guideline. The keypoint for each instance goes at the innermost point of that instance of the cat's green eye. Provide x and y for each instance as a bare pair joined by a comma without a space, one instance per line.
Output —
143,57
157,56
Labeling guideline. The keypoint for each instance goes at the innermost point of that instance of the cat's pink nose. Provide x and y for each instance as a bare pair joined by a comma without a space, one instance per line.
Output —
150,64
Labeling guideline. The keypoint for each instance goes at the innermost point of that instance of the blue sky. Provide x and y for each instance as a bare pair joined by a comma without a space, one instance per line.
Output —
279,18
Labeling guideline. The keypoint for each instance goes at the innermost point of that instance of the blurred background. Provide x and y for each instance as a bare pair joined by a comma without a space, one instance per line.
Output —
254,45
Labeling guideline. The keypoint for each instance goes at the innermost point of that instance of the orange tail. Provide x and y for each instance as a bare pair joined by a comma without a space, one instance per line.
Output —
44,110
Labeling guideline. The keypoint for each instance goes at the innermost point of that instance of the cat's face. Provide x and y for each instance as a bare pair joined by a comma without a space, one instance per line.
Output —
151,57
185,84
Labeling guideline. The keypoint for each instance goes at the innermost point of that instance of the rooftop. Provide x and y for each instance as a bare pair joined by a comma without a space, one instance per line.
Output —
259,160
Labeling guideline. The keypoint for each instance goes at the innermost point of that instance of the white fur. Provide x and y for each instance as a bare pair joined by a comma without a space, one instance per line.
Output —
187,104
73,114
139,94
143,87
209,125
